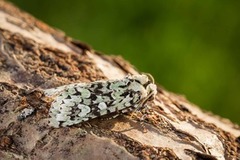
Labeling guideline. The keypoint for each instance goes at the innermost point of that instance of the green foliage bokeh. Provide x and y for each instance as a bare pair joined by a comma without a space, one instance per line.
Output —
190,47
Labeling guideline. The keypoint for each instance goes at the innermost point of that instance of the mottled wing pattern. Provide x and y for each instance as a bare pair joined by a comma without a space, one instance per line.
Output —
80,102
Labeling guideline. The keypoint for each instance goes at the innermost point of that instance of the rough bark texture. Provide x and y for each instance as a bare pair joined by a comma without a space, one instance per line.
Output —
34,56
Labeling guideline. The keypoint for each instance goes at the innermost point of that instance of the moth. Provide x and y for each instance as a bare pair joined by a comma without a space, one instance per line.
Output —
79,102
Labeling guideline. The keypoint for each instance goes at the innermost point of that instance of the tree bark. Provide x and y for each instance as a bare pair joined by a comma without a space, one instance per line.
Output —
34,56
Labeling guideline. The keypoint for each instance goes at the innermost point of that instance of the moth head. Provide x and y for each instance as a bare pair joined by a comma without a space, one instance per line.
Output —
147,81
148,89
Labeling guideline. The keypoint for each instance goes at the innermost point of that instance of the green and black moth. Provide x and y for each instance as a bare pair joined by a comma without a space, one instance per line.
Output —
79,102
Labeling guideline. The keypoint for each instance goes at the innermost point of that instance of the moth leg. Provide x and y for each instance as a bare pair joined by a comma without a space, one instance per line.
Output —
110,117
145,107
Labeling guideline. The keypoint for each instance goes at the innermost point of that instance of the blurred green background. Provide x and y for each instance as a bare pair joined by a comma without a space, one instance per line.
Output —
191,47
